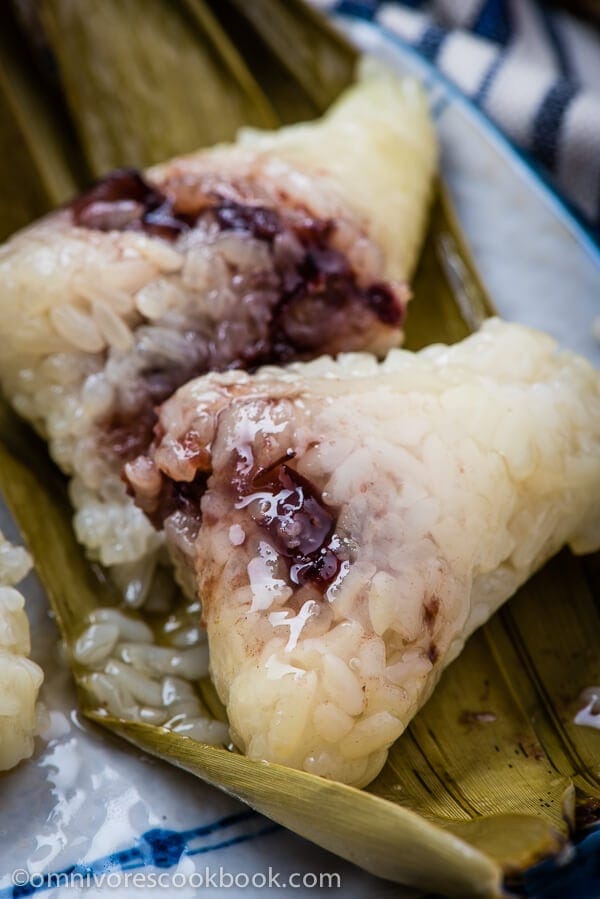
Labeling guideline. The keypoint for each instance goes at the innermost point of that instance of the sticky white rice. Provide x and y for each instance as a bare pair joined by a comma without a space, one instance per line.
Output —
20,678
138,673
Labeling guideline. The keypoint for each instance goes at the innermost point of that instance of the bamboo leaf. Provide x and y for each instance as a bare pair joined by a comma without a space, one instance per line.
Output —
449,298
548,671
147,79
352,823
36,159
307,62
288,98
472,754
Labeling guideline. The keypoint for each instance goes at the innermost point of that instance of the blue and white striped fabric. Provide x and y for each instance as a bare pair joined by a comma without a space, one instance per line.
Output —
534,70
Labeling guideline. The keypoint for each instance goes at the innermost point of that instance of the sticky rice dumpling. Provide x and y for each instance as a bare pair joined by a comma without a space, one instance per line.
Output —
283,246
349,523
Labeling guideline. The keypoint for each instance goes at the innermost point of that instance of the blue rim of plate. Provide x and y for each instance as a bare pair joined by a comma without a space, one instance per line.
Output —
529,169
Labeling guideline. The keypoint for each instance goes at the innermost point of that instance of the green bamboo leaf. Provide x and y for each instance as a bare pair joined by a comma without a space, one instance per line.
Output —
302,62
305,44
383,838
449,299
148,79
288,98
36,159
550,673
472,757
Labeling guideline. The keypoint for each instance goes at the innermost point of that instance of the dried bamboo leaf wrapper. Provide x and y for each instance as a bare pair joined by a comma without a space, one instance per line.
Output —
40,166
131,72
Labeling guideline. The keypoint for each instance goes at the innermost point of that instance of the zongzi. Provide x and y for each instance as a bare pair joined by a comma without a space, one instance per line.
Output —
283,246
349,523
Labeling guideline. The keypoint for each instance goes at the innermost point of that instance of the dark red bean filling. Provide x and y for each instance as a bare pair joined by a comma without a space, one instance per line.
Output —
125,201
300,524
280,500
314,302
127,436
259,221
126,433
175,496
322,293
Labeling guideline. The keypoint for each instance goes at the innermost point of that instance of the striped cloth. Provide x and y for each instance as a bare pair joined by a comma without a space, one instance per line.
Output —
533,69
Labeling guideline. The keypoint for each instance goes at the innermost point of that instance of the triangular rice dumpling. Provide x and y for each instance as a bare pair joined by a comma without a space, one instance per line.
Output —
283,246
349,523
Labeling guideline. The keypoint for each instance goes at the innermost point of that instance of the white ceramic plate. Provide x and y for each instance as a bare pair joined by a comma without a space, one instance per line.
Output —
91,801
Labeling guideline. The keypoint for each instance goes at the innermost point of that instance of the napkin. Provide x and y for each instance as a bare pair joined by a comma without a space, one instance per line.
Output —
532,68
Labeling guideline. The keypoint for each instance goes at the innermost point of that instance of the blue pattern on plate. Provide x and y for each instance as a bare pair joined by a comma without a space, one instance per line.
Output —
158,848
